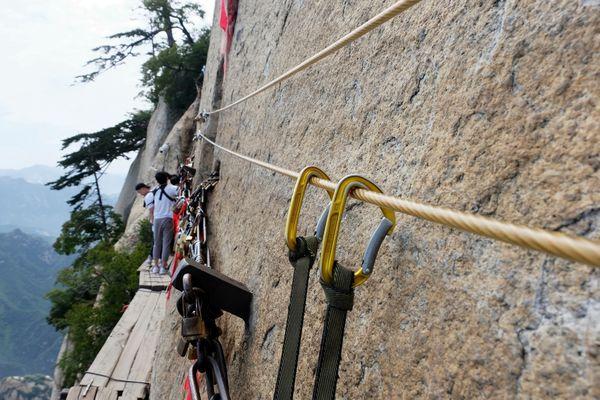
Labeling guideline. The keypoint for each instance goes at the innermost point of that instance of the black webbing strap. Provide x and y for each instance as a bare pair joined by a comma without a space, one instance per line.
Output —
340,298
162,191
302,260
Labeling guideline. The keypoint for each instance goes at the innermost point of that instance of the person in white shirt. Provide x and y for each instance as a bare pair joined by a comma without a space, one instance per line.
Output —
144,190
165,195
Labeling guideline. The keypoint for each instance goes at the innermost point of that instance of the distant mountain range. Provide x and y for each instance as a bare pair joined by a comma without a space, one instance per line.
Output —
32,207
27,204
110,184
31,215
28,267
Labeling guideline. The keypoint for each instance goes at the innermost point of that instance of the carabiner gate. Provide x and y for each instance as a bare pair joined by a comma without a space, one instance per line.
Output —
332,228
291,225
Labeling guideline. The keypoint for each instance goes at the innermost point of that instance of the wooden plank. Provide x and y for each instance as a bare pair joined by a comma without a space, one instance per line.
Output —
143,267
107,394
162,282
152,281
91,393
74,393
135,391
145,279
142,366
107,358
134,343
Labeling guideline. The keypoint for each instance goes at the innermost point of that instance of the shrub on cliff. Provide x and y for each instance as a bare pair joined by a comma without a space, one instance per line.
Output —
90,299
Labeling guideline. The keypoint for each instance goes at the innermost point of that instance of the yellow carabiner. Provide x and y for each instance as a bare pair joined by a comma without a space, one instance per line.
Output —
291,224
332,228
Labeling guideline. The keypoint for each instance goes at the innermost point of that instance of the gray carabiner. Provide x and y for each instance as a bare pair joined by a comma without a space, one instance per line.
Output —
375,242
320,229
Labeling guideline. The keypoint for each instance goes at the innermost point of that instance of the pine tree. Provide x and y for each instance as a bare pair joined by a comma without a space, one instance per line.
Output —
84,169
176,52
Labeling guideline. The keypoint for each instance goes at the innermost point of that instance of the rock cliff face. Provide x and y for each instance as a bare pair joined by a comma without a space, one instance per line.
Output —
58,377
30,387
488,107
149,160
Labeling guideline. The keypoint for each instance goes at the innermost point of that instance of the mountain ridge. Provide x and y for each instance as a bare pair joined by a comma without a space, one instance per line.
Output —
28,266
110,183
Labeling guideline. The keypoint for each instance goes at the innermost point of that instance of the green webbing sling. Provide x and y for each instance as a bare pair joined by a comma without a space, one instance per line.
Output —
340,299
302,261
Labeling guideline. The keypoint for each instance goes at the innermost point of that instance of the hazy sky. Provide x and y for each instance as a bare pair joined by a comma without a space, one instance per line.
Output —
44,45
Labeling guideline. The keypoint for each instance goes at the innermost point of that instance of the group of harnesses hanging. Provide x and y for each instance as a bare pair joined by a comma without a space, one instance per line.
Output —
206,293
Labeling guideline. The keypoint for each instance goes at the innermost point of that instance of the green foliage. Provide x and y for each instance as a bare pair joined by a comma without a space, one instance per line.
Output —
175,71
86,343
75,306
176,51
145,233
164,18
96,151
85,228
107,144
76,285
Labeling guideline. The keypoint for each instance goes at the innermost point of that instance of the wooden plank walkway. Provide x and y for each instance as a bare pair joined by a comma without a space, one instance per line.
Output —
122,368
152,281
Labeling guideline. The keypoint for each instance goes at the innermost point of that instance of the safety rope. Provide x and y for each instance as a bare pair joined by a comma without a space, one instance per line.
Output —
572,248
362,30
115,379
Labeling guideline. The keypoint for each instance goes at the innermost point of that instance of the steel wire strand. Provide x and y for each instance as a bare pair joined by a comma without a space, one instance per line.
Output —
572,248
362,30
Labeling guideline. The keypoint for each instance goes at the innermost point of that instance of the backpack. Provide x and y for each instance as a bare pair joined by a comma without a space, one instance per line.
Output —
162,191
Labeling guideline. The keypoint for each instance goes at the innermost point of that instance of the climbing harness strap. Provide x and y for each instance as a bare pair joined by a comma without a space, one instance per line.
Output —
338,283
340,298
302,254
302,261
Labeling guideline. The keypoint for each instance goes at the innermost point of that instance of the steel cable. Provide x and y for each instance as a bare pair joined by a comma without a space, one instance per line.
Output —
572,248
362,30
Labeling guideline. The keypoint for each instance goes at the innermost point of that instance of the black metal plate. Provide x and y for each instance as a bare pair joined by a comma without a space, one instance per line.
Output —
223,292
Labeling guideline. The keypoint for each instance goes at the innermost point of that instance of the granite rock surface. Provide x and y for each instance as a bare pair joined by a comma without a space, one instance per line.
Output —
489,107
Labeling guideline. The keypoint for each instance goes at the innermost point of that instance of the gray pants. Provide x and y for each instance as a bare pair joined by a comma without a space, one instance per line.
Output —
163,239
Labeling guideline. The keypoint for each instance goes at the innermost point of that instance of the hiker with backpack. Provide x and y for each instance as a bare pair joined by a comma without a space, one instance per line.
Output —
165,196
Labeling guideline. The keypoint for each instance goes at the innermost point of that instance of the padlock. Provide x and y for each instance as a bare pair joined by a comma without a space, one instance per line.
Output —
185,308
192,328
182,347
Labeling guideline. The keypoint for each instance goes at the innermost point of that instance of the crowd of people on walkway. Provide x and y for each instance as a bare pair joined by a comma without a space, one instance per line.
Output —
159,201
